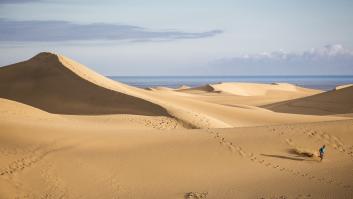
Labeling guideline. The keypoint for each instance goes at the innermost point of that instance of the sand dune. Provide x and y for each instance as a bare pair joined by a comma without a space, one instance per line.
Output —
68,132
216,112
343,86
47,80
202,114
162,88
182,87
339,101
88,161
253,94
250,89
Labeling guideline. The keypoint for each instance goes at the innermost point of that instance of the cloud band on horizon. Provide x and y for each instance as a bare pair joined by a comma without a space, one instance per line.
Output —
53,31
321,60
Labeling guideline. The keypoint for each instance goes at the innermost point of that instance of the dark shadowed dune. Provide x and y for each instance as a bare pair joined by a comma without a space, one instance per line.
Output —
339,101
47,82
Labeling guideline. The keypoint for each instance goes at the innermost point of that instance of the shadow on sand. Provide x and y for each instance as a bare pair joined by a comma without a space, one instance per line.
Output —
284,157
295,155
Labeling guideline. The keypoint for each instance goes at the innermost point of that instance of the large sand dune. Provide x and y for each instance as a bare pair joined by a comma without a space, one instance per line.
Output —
68,132
338,101
47,80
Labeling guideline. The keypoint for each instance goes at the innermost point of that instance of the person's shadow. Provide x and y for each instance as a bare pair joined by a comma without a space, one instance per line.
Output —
295,155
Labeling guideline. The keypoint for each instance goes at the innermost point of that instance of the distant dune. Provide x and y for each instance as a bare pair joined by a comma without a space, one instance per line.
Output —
338,101
183,87
160,88
57,84
251,94
343,86
231,104
250,89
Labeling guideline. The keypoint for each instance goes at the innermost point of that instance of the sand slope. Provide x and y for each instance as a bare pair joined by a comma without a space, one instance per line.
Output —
40,160
13,112
339,101
47,80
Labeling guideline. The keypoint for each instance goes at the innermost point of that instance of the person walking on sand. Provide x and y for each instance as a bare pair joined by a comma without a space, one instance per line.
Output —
322,152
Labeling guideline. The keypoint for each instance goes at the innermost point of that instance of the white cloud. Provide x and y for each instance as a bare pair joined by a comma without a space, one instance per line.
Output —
328,51
329,59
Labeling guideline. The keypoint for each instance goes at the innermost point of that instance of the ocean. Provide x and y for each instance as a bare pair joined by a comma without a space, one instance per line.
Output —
315,82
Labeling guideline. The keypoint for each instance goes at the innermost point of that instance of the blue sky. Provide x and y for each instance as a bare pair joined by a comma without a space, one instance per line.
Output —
184,37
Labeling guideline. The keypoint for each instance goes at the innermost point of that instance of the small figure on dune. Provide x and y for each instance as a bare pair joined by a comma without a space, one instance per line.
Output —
322,152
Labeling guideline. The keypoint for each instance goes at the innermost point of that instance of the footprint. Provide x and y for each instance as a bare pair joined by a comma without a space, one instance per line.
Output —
231,148
340,148
289,141
241,153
